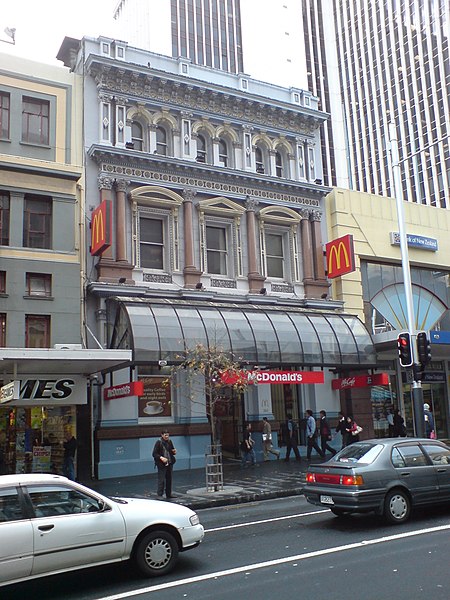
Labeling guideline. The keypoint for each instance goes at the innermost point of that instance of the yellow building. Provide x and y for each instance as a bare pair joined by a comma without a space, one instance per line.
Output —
375,292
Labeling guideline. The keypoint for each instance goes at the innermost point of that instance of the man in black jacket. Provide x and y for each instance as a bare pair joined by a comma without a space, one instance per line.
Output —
164,455
325,434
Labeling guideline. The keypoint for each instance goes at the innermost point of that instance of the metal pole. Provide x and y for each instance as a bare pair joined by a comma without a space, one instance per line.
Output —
417,392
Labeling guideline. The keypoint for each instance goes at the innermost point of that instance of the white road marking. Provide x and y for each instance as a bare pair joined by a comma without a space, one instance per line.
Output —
273,563
273,520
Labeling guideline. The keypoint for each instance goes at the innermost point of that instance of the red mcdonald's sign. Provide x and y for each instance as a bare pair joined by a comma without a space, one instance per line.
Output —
360,381
340,256
101,228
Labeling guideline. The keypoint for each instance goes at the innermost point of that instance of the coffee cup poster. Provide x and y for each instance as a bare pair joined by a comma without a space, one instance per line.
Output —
155,402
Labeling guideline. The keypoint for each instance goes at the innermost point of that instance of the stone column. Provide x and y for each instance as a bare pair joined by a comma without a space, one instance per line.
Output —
315,282
190,271
121,219
105,186
255,279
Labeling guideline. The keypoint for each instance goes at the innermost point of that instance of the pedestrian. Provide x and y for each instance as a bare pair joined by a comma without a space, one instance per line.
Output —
429,422
70,448
248,453
399,424
311,432
325,434
353,430
164,455
390,420
267,441
341,428
291,434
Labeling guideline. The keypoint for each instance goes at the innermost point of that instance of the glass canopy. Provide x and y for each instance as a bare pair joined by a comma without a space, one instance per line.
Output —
255,334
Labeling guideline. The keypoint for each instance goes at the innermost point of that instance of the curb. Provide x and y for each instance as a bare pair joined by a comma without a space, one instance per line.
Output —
233,500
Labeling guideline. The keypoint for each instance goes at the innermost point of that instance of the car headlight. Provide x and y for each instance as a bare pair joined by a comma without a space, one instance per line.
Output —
194,519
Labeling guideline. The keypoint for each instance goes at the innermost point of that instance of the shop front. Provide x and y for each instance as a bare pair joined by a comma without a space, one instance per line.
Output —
261,337
42,392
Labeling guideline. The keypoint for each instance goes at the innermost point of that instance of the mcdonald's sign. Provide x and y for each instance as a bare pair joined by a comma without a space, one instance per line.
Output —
340,256
101,228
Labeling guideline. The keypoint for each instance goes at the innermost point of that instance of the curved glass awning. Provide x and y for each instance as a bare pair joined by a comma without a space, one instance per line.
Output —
256,334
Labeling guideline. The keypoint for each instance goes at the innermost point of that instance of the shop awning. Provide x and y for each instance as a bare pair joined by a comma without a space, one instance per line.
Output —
53,361
160,330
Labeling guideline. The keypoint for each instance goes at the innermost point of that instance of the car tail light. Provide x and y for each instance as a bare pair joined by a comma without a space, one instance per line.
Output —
352,480
334,479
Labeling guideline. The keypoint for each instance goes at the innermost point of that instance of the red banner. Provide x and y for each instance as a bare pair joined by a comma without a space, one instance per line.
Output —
134,388
360,381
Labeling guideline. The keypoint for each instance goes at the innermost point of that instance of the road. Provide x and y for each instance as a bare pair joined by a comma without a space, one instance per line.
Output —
280,549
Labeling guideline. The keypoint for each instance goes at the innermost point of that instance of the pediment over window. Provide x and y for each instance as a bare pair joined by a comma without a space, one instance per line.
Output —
221,206
155,195
279,214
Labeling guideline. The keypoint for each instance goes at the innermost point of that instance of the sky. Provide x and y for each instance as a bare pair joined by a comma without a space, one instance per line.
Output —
41,25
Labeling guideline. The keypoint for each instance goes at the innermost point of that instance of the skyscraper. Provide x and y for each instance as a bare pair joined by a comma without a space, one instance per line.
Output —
208,32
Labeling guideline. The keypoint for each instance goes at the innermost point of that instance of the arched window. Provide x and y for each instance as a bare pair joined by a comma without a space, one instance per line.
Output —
279,167
223,153
259,160
161,141
137,136
201,149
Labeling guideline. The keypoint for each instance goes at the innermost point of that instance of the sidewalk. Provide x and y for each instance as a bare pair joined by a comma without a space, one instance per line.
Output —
273,479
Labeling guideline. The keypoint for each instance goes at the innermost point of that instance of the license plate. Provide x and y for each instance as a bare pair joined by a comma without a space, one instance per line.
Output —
326,500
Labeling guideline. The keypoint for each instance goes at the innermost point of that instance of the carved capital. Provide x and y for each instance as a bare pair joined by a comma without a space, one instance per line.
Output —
251,203
189,194
105,183
315,215
122,185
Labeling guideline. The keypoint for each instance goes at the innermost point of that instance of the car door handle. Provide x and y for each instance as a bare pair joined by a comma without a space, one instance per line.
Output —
45,527
442,470
406,474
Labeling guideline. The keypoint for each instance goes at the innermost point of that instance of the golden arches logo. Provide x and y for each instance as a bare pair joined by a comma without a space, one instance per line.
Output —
340,257
101,228
98,228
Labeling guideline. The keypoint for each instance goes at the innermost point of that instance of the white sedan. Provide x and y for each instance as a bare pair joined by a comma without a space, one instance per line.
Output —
50,525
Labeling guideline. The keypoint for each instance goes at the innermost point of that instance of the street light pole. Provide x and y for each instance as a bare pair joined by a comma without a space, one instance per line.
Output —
417,392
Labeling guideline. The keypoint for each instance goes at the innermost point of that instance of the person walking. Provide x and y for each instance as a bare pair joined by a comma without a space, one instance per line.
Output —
399,424
164,455
248,453
311,435
325,434
70,448
353,430
267,441
429,422
341,428
390,420
291,434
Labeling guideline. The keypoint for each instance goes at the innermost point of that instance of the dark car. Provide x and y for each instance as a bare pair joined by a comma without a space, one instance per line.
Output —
385,476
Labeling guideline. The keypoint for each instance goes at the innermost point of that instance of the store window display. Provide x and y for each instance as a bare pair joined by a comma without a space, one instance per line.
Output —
33,437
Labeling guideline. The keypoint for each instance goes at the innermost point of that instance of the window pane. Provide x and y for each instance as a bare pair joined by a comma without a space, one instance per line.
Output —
274,245
216,244
137,136
223,153
37,331
37,223
151,231
10,509
275,267
151,243
4,219
161,141
152,257
4,116
35,121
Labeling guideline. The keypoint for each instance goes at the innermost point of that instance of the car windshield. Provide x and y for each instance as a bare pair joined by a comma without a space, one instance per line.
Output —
359,453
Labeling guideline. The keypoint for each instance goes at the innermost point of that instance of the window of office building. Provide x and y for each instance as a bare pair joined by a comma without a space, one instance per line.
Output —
4,115
4,219
161,141
2,330
223,153
37,331
279,232
38,284
201,149
35,121
151,243
275,255
137,136
2,282
37,222
216,250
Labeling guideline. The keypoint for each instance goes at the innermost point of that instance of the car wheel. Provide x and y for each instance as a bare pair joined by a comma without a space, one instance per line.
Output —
156,553
397,506
340,512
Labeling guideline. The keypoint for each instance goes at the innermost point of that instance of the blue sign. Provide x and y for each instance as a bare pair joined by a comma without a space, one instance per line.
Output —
415,241
440,337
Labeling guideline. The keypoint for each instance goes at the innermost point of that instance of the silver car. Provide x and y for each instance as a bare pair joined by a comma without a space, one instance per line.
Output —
387,476
50,525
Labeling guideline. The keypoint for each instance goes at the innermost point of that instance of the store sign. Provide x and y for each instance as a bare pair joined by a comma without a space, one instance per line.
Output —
360,381
9,392
51,391
340,256
276,377
415,241
134,388
101,227
440,337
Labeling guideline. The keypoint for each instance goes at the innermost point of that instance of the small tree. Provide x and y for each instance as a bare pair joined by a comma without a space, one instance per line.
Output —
219,369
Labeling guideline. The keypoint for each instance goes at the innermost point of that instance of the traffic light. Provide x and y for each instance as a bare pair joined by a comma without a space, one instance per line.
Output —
423,348
404,349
